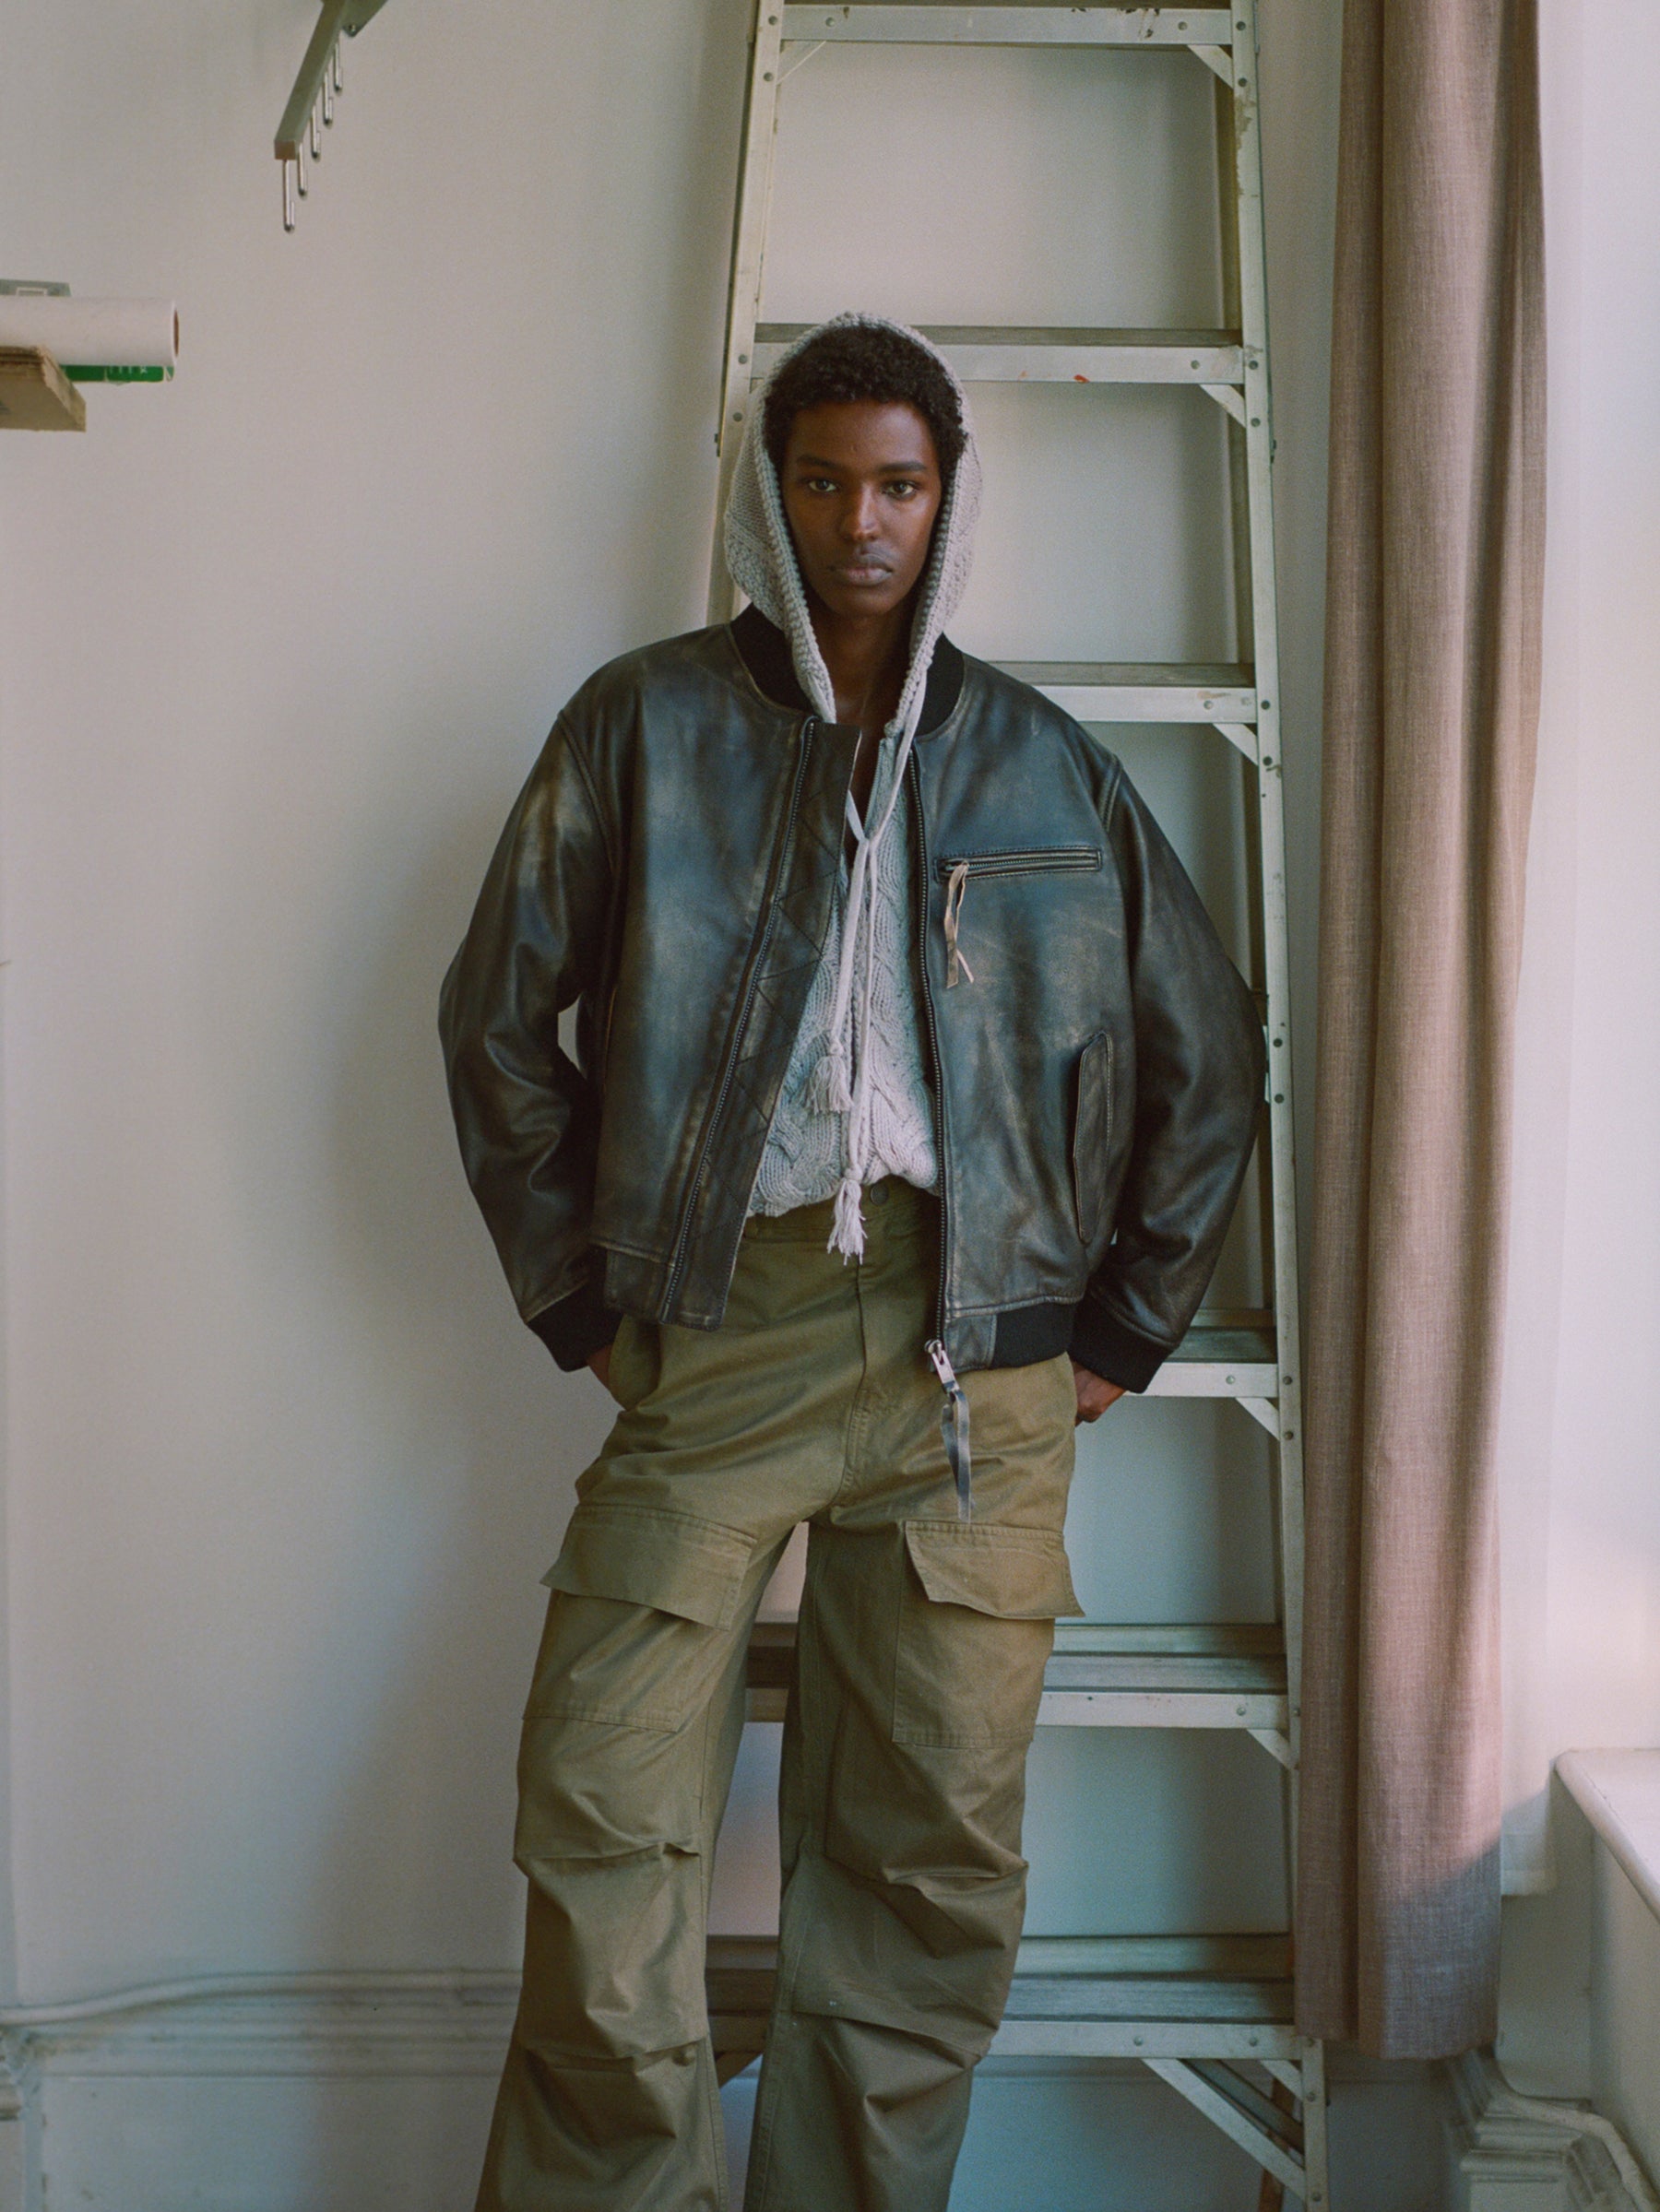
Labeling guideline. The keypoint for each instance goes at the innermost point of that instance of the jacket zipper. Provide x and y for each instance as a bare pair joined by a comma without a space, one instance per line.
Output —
1051,860
953,1414
677,1261
933,1026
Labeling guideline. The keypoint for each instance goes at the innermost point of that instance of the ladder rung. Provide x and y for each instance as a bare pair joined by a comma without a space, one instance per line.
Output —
1103,1675
1032,354
1098,1996
1219,1363
1119,691
1211,1675
932,24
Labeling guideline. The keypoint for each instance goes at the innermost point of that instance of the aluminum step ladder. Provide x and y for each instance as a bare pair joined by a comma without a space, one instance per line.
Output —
1212,2014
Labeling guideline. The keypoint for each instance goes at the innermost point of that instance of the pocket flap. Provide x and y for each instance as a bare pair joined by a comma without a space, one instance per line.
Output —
644,1557
1014,1574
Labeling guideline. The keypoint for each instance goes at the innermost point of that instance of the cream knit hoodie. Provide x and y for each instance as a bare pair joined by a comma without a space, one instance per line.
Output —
854,1105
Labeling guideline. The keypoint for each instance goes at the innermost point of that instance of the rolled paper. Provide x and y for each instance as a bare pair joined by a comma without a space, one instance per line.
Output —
96,340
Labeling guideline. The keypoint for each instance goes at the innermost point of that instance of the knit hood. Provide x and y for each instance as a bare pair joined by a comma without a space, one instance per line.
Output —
763,562
762,558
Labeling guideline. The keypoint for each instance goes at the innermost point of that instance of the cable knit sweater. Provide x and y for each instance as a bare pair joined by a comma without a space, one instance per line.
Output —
805,1151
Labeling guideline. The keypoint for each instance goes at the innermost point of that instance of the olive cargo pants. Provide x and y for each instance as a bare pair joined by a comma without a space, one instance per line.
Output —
921,1657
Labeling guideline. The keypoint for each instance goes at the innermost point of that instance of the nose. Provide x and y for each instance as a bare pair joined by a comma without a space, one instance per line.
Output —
860,521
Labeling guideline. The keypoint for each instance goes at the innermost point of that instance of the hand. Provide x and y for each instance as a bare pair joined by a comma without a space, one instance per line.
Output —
601,1363
1094,1395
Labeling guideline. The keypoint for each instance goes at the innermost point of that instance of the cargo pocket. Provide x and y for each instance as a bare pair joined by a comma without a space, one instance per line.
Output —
638,1632
1092,1136
659,1589
975,1630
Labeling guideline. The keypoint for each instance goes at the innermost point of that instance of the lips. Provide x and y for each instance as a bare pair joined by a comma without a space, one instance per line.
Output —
863,572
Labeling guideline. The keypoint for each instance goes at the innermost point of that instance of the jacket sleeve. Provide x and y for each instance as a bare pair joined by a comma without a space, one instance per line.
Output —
1198,1094
527,1117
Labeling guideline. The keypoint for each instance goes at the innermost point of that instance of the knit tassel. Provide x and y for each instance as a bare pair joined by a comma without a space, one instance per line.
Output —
848,1237
829,1089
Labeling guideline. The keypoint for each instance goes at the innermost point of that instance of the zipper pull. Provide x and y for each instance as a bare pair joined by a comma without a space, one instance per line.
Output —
953,1427
956,890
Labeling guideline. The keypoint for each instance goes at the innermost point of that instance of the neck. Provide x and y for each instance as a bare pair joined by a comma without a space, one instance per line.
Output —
866,657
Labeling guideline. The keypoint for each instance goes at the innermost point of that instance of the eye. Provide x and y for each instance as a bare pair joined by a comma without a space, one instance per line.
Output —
819,483
904,488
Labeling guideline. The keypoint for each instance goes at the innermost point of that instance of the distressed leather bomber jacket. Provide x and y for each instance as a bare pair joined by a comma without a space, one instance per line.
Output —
668,869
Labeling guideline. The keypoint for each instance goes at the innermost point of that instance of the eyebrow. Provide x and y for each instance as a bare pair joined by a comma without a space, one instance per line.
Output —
915,467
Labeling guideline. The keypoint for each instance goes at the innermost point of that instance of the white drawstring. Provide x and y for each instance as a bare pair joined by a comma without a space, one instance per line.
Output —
849,1030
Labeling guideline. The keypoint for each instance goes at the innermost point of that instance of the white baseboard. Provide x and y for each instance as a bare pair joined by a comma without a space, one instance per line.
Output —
354,2092
1510,2159
450,2025
20,2131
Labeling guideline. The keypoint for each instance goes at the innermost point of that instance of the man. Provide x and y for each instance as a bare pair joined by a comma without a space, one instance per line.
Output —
912,1096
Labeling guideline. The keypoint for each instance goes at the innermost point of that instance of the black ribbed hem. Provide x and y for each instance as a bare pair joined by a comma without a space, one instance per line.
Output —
1113,1352
573,1329
1027,1334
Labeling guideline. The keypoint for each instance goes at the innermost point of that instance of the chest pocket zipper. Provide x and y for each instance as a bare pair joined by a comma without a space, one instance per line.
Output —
955,871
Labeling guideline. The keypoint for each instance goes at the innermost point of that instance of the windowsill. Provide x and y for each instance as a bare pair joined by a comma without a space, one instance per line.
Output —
1619,1792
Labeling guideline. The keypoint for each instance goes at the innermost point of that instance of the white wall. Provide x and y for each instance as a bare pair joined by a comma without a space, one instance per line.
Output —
276,645
1579,1459
1582,1376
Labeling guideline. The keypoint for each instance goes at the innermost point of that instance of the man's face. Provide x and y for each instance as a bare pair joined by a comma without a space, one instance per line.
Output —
862,488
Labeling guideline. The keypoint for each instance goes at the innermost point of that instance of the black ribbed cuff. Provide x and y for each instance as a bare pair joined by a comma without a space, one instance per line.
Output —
573,1329
1113,1352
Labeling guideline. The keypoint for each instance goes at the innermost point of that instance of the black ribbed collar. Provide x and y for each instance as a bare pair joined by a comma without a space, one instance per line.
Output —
765,653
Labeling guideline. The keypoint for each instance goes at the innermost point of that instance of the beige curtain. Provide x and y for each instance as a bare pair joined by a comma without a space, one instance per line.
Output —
1433,637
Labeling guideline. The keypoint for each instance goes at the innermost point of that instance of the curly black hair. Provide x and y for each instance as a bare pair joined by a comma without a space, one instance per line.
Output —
865,361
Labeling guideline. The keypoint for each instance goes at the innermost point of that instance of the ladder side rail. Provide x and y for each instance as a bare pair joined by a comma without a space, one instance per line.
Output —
743,291
1229,229
1258,456
1259,446
1313,2101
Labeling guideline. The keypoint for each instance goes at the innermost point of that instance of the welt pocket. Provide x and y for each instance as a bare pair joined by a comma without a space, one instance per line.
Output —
1023,860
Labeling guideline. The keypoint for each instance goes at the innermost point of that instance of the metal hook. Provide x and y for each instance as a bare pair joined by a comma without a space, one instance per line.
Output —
328,99
290,170
300,172
338,81
317,130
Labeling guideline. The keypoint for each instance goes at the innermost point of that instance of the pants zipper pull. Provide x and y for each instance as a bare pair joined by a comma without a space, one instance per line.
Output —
953,1427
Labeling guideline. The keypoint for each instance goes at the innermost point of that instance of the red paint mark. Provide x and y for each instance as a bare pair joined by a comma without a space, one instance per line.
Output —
1080,380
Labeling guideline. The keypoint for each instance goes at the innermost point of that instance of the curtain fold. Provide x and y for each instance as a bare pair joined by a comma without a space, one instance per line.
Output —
1432,679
